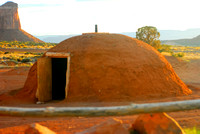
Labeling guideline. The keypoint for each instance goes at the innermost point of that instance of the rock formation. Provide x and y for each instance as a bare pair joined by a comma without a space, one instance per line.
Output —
10,27
9,18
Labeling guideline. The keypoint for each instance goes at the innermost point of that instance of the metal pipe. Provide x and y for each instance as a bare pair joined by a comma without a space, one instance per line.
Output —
103,111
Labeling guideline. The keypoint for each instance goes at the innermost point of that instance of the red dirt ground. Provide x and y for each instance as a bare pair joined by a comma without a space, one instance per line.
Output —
13,79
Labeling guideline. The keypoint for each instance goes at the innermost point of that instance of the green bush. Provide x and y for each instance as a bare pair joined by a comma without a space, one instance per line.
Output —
165,48
28,53
5,57
19,59
181,54
13,58
26,60
7,52
193,130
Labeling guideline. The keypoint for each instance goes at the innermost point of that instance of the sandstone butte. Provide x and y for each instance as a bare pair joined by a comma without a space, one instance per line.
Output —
10,27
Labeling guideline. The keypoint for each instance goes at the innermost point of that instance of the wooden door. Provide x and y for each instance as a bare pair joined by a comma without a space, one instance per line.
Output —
44,79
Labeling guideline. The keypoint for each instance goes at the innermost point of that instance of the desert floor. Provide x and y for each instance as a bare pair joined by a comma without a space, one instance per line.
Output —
12,79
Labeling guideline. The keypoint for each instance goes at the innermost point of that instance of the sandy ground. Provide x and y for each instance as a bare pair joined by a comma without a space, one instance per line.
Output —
12,79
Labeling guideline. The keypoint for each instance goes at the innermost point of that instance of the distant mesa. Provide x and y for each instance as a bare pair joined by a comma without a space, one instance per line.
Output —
184,42
9,18
10,4
10,26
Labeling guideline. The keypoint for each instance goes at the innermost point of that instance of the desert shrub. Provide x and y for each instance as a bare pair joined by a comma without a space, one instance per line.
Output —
38,54
13,58
165,48
7,52
26,60
19,59
28,53
36,57
181,54
15,61
5,57
193,130
20,44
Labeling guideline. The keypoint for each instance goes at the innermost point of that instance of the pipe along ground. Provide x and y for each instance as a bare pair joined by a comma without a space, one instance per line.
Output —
131,109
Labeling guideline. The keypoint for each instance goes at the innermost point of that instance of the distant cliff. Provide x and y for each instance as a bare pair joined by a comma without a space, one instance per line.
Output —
184,42
9,18
10,27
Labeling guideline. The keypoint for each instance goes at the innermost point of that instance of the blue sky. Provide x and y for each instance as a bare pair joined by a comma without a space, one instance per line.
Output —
51,17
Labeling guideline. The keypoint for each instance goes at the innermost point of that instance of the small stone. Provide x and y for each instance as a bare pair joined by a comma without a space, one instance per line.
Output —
39,102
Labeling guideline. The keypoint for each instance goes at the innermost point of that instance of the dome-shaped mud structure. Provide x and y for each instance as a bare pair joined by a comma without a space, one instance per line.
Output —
109,67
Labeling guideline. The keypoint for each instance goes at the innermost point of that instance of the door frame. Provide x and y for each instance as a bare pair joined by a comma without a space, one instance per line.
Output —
62,55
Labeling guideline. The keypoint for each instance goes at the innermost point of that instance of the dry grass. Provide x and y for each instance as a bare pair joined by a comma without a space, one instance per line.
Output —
30,45
189,52
184,52
18,58
8,59
193,130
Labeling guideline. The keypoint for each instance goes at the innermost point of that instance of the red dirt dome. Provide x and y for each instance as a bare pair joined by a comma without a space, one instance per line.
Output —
103,68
